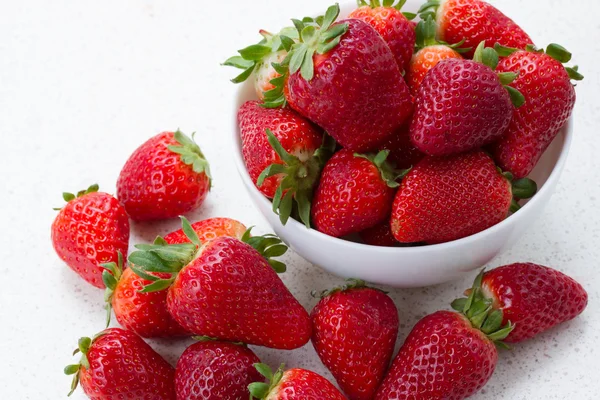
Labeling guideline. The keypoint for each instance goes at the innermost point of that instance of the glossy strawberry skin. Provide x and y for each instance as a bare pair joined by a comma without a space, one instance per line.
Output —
123,366
215,371
301,384
424,60
89,231
461,105
448,198
354,333
534,298
397,31
155,184
476,21
351,196
550,98
230,292
442,358
209,229
403,152
379,235
357,93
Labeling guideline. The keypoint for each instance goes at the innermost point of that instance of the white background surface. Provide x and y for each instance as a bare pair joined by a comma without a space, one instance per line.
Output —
83,83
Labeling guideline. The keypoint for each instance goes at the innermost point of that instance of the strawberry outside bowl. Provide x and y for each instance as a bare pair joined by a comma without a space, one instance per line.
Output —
405,267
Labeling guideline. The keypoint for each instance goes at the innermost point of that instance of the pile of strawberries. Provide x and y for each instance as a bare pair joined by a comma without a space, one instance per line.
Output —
402,133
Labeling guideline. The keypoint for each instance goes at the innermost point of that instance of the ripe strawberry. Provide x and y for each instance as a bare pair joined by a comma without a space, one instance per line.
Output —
532,297
446,356
218,288
462,105
210,370
164,178
448,198
379,235
403,153
90,230
474,21
293,384
117,364
393,26
546,84
354,332
355,193
344,78
209,229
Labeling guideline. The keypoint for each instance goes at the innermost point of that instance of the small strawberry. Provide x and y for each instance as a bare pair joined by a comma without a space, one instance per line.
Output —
226,289
379,235
546,85
293,384
474,21
403,152
355,192
117,364
343,77
354,332
532,297
212,370
446,356
462,105
90,230
209,229
448,198
165,177
394,26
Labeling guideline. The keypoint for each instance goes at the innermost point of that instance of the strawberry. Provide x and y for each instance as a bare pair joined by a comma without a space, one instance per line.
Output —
462,105
532,297
343,77
90,230
355,193
117,364
546,84
164,178
379,235
293,384
226,288
446,356
448,198
354,332
211,370
474,21
209,229
403,152
394,26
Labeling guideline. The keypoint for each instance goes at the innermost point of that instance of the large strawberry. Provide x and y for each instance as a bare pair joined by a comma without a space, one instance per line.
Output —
90,230
293,384
226,289
117,364
212,370
354,332
394,26
343,76
550,95
447,198
462,105
446,356
532,297
474,21
355,193
165,177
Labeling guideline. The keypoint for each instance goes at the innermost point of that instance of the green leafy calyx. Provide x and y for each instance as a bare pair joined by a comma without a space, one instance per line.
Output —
260,390
111,276
269,246
190,153
70,196
351,283
387,3
426,32
388,173
83,346
524,188
429,9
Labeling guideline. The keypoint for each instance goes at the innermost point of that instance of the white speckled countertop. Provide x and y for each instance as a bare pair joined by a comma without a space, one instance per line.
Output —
83,83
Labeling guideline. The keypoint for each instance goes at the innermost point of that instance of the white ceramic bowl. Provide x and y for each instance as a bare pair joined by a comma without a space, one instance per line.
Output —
409,266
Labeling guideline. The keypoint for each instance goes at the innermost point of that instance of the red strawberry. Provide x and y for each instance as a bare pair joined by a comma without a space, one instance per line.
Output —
379,235
393,26
354,332
355,193
462,105
164,178
293,384
344,78
117,364
474,21
90,230
445,356
209,229
210,370
546,85
532,297
448,198
403,152
226,289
